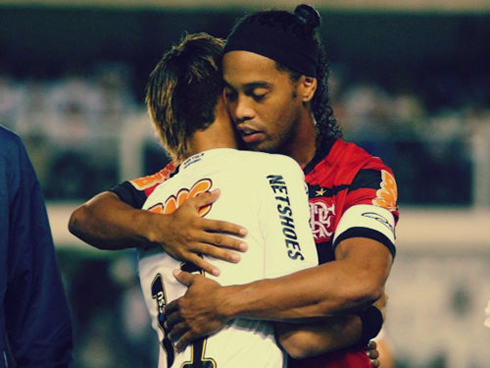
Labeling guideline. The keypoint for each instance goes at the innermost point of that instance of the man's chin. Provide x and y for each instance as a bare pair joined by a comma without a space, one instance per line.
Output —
251,146
261,148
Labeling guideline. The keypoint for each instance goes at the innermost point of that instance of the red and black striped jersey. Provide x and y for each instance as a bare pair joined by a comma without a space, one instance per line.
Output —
342,175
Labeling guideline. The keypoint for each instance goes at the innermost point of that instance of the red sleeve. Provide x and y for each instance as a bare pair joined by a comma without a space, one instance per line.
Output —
374,184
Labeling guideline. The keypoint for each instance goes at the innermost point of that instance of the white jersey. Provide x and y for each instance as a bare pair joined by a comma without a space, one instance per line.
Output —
266,194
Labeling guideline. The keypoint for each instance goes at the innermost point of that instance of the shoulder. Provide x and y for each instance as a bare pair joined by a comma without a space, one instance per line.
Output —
134,192
270,161
150,182
13,152
16,169
9,139
7,134
349,158
351,153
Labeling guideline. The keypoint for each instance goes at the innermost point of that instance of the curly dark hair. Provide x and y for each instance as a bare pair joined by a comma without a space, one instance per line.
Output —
304,24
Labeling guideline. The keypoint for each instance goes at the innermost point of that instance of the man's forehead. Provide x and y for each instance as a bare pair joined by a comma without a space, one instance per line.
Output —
246,53
248,67
239,57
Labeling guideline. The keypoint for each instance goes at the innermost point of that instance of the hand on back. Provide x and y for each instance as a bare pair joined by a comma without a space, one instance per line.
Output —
186,235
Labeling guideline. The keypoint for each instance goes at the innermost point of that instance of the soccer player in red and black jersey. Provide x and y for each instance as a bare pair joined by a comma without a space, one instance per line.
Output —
277,94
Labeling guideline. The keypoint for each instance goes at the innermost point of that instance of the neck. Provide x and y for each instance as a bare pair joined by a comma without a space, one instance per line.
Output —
219,134
302,144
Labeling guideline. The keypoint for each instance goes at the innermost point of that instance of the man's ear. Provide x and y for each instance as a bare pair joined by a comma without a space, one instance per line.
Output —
308,88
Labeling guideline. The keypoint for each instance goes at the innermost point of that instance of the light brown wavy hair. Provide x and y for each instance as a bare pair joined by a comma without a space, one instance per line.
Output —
183,89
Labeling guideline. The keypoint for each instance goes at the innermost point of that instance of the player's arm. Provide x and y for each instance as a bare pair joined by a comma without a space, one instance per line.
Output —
311,339
107,222
352,282
332,333
305,340
364,250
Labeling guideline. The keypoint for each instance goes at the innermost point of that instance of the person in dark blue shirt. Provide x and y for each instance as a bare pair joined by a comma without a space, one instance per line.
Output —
35,323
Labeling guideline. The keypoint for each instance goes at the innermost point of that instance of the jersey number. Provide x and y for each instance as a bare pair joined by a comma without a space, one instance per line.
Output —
198,348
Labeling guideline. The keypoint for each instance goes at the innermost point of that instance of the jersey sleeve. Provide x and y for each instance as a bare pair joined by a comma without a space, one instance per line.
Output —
374,184
289,244
135,192
129,194
371,209
367,221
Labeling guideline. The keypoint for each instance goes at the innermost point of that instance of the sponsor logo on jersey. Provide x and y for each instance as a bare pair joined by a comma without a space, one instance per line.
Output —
387,195
379,218
152,180
176,200
322,216
280,190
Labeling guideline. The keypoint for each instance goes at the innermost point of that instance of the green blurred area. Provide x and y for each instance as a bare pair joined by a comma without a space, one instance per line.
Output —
43,41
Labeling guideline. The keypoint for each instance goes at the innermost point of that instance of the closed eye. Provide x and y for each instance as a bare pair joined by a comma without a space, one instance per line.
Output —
259,97
230,94
258,93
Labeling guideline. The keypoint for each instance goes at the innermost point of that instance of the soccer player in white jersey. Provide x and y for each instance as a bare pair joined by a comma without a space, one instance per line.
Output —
263,192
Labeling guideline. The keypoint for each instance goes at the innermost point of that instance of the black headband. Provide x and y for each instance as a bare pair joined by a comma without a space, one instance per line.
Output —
278,45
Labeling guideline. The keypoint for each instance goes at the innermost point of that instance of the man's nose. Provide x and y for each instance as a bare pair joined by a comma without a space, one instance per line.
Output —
243,110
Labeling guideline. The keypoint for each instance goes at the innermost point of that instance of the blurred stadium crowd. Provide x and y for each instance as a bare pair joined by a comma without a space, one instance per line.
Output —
72,127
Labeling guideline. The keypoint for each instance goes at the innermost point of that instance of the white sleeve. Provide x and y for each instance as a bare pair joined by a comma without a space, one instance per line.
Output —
367,221
284,212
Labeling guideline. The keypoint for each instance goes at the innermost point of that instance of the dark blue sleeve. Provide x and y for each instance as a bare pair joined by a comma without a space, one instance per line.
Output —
129,194
37,317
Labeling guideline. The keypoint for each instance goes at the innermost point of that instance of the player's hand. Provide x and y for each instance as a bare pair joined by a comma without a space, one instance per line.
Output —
185,235
373,354
195,314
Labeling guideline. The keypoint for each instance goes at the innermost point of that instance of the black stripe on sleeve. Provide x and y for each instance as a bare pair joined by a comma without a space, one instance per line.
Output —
367,178
364,232
129,194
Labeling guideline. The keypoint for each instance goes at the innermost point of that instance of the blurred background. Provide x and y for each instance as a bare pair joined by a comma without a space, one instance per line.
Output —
410,82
